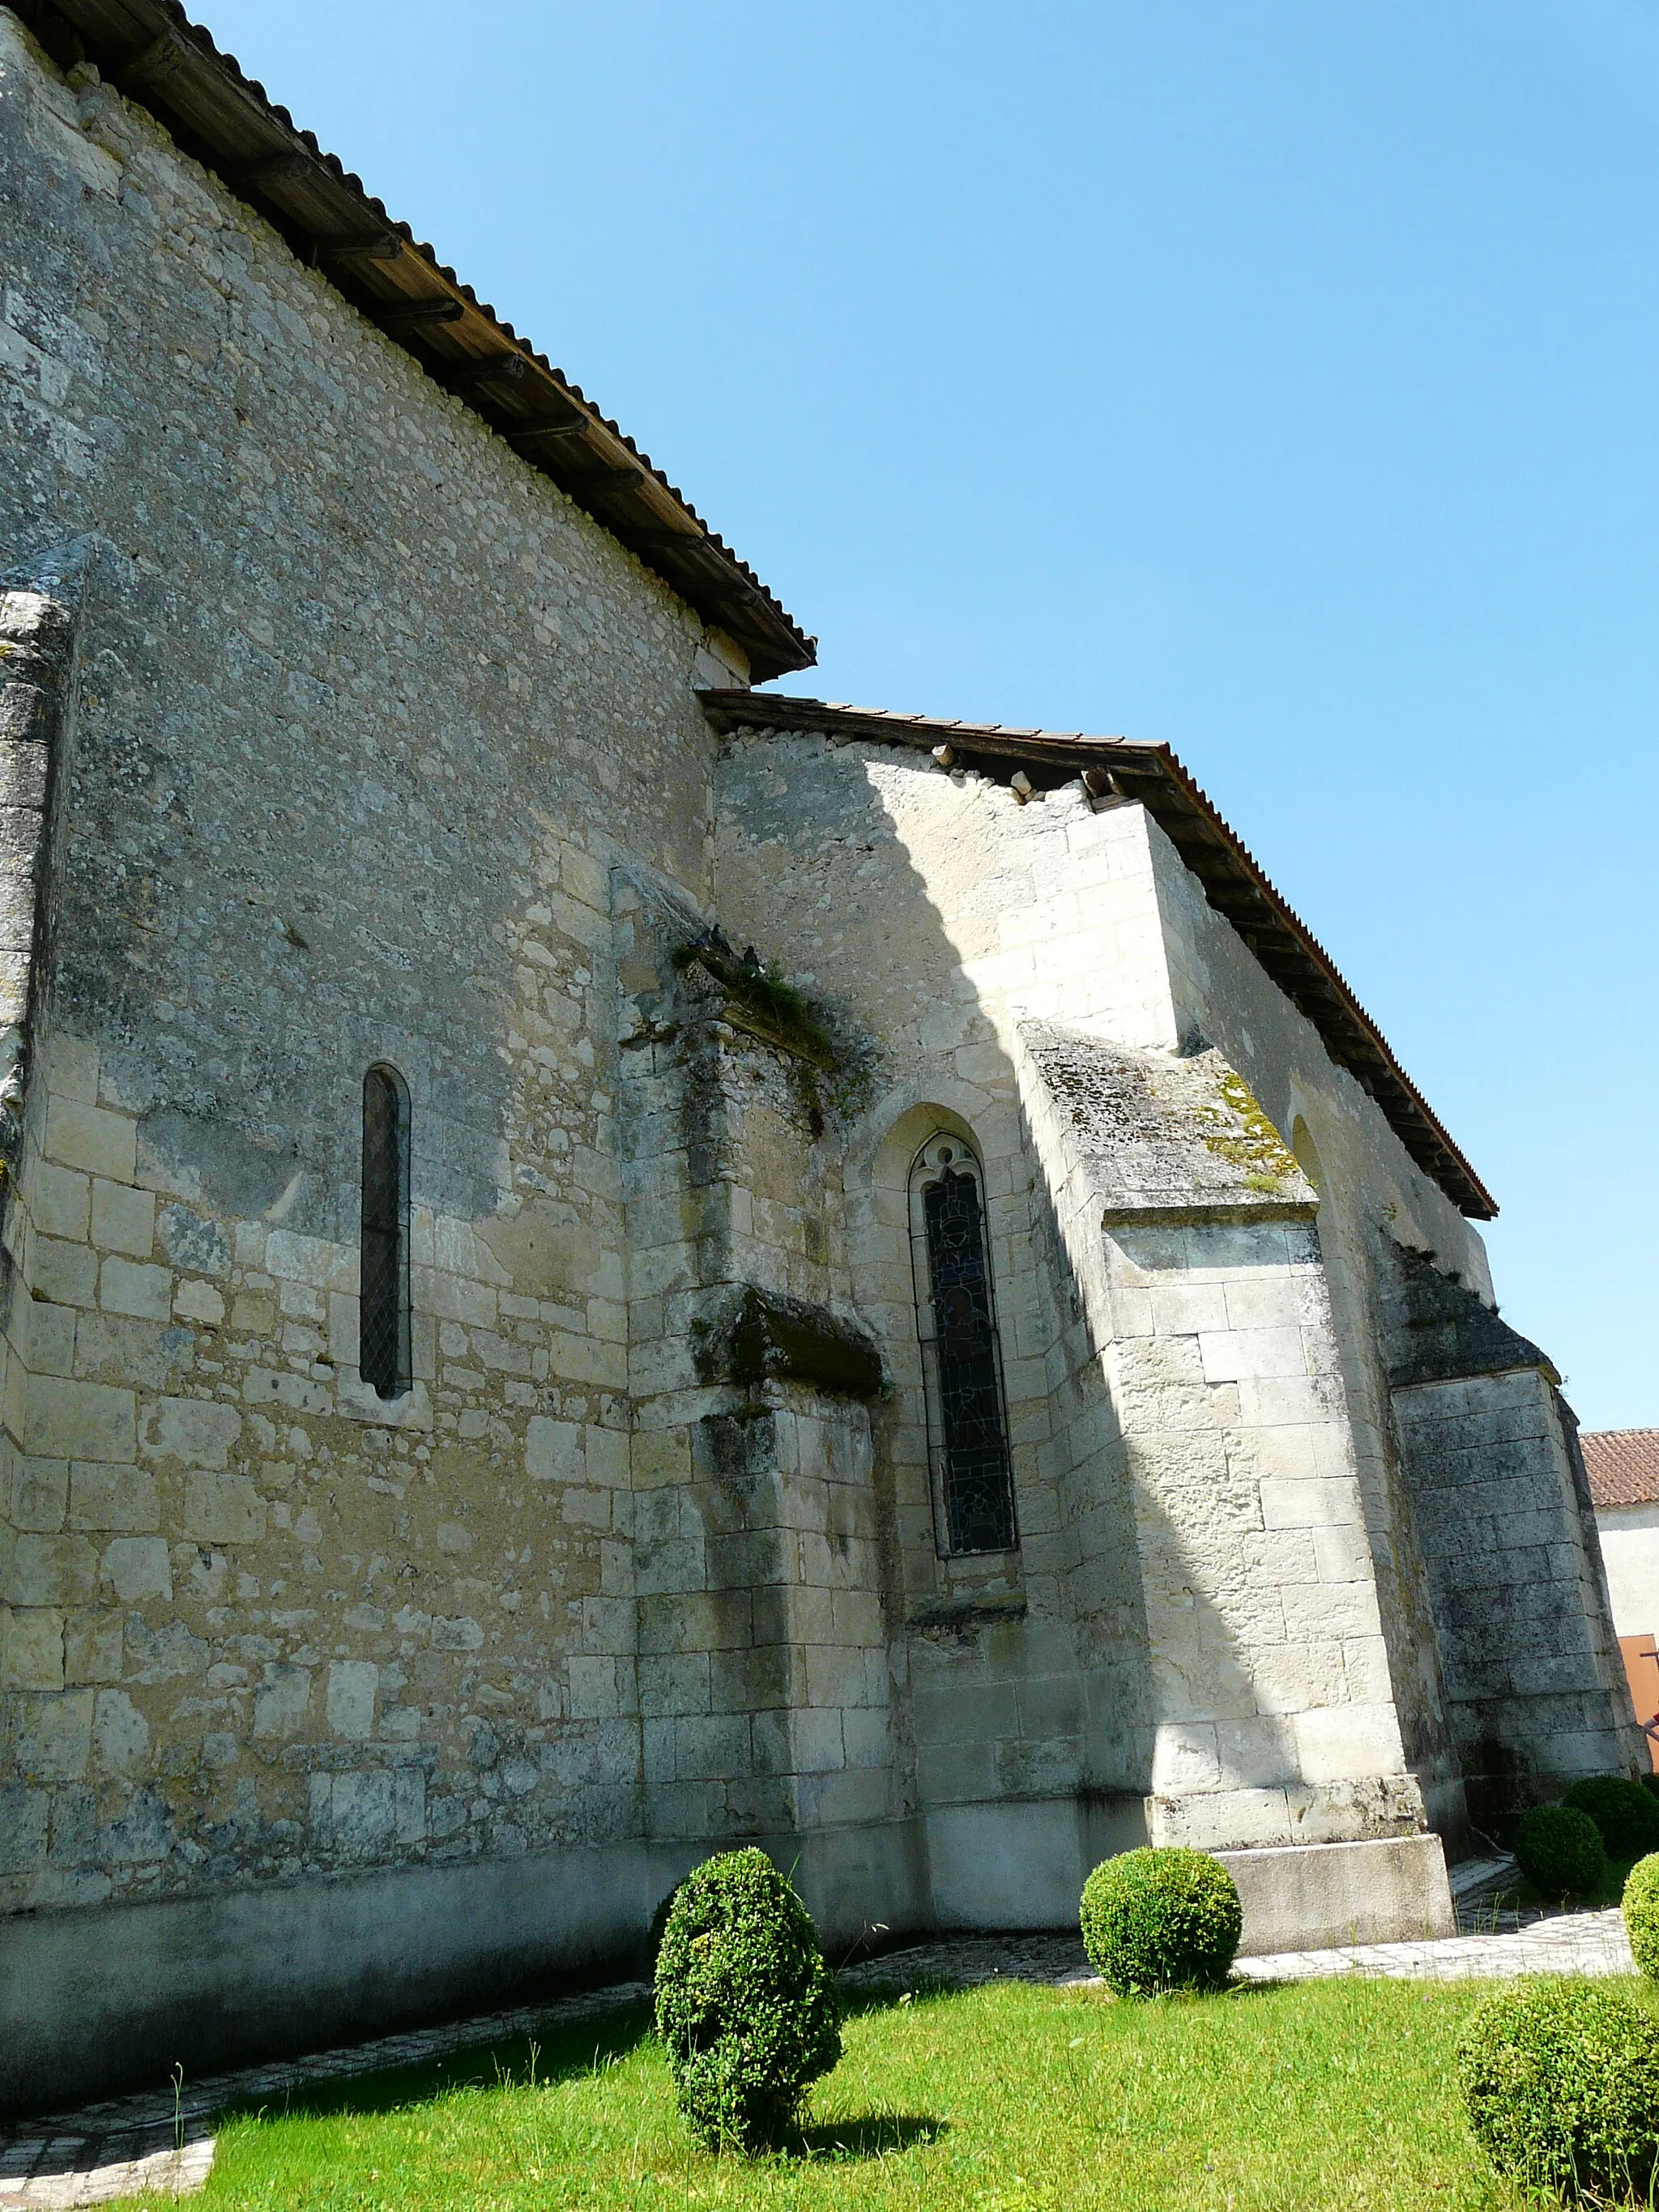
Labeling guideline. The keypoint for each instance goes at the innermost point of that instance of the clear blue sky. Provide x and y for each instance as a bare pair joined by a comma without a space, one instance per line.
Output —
1280,382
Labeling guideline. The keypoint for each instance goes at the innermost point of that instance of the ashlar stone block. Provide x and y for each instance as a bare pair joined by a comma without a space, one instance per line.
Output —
31,1647
103,1496
92,1138
136,1568
349,1699
66,1418
222,1508
52,1735
40,1493
123,1218
47,1570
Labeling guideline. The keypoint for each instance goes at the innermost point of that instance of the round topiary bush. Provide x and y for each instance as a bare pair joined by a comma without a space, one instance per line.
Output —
1558,1849
1641,1914
1561,2082
1155,1920
1626,1815
744,2001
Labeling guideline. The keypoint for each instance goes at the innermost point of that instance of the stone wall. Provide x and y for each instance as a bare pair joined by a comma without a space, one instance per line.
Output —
368,746
759,1568
364,709
1630,1552
940,915
1537,1689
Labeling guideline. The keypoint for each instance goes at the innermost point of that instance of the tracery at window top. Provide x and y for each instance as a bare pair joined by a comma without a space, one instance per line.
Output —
956,1315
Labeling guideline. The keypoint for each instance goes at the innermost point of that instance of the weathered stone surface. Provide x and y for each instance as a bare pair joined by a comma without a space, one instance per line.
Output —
366,747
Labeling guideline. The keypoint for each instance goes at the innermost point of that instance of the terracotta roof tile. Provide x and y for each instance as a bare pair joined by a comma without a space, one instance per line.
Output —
1623,1465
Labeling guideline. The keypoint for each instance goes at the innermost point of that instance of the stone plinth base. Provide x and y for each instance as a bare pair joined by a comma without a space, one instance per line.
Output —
1313,1897
109,1997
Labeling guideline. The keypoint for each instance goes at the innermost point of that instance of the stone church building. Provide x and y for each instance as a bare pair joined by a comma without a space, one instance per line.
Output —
599,1263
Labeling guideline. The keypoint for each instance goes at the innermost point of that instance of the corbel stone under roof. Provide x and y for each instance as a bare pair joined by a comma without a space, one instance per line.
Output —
1233,883
151,52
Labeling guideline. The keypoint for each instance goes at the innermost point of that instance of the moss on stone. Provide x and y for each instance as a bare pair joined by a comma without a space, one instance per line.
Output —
762,993
1245,1137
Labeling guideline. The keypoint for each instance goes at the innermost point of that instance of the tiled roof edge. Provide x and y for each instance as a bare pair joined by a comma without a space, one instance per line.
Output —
152,52
1235,884
1622,1464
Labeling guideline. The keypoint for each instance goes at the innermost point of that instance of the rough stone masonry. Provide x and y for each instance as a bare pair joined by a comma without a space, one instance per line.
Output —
894,1305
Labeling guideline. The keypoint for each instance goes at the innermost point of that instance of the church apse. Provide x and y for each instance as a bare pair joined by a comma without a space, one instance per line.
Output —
817,1337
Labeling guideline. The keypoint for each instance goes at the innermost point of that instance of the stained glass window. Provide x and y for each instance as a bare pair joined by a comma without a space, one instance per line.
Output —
383,1354
967,1426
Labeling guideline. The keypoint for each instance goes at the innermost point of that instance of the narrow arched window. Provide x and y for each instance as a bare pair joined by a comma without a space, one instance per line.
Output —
956,1315
383,1344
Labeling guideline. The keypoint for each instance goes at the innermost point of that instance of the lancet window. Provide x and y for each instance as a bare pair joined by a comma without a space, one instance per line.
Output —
383,1353
956,1315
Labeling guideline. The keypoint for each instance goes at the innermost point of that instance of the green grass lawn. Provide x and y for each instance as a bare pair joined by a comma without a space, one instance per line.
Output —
1332,2093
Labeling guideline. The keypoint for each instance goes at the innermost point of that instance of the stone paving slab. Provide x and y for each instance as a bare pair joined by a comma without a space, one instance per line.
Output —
124,2145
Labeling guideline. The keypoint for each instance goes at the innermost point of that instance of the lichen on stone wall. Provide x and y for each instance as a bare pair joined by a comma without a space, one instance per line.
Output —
1244,1136
1165,1132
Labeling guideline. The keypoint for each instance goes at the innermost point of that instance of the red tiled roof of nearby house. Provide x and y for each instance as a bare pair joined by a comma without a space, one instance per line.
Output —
1623,1465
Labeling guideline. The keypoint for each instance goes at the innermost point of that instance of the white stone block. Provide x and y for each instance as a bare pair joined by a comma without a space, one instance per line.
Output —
52,1736
70,1420
554,1450
58,1201
281,1701
120,1734
199,1302
1348,1743
1188,1308
136,1568
123,1218
1252,1354
31,1647
65,1273
91,1138
128,1287
197,1429
1185,1757
222,1509
1310,1504
311,1260
349,1701
103,1496
1341,1611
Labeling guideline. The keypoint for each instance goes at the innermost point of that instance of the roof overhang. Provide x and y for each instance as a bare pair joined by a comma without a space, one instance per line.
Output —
1233,883
151,52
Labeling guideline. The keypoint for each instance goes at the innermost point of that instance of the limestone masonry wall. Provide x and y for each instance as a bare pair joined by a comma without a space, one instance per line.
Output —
365,707
333,736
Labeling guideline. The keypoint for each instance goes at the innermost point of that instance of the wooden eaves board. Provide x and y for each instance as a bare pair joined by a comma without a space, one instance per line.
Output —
150,50
1233,883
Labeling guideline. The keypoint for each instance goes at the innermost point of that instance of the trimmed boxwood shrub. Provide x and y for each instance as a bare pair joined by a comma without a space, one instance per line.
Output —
659,1927
1624,1813
745,2005
1558,1849
1641,1914
1155,1920
1560,2080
